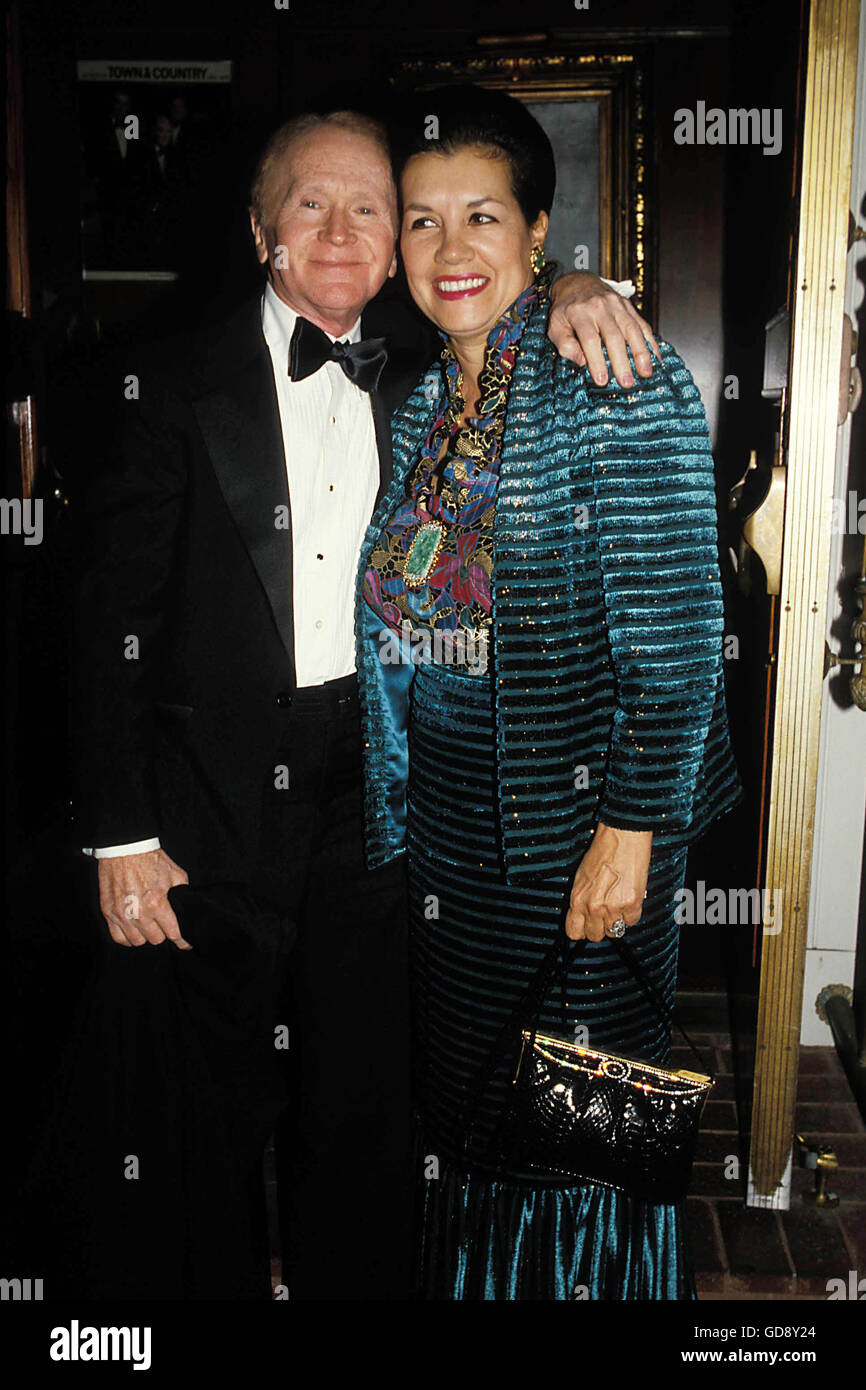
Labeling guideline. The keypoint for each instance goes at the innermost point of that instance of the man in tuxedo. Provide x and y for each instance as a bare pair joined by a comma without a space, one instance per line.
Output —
216,724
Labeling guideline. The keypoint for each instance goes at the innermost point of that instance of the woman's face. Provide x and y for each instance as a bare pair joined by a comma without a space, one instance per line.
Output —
464,240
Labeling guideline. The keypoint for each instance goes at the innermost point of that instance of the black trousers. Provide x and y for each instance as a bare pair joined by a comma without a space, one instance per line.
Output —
147,1181
343,1143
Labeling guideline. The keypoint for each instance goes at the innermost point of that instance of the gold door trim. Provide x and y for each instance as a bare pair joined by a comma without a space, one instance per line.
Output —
813,397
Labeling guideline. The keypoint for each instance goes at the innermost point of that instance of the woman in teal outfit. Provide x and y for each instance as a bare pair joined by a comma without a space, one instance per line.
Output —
539,627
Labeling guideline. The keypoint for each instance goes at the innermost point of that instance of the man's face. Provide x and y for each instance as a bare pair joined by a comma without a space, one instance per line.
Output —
330,226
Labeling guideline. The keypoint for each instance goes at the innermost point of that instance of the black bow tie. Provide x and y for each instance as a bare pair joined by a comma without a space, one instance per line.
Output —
310,349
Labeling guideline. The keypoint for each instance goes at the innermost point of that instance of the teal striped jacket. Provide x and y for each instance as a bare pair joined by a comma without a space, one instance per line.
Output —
607,616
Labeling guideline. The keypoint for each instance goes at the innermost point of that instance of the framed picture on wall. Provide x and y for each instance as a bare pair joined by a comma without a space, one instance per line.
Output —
593,107
150,132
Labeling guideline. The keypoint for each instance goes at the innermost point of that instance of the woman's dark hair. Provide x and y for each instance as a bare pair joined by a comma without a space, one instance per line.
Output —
448,119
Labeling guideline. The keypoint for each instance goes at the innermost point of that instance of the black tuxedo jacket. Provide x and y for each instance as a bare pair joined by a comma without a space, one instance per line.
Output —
183,639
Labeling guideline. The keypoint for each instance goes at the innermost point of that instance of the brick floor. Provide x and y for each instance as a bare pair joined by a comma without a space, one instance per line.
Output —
742,1252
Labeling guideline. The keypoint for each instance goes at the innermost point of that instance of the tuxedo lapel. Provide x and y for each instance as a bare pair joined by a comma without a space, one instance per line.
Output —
408,355
235,402
382,424
238,414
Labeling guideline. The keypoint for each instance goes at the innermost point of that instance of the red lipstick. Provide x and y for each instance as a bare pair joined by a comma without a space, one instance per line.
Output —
460,286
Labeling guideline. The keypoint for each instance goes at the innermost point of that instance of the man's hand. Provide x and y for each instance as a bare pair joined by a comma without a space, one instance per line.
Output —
585,312
610,882
133,895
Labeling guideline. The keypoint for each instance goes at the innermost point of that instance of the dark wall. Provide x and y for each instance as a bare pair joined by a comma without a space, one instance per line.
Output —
326,51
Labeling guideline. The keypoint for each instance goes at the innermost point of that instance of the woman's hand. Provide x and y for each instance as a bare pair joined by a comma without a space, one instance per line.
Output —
610,882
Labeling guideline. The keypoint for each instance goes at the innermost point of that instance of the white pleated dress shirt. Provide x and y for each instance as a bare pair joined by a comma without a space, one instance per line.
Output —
332,465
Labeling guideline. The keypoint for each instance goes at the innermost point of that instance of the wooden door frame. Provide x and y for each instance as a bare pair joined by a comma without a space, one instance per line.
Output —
17,255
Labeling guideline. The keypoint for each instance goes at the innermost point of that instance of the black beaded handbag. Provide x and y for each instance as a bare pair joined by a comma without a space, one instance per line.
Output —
576,1115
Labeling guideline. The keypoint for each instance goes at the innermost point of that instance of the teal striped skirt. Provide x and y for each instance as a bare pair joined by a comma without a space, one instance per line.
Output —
475,943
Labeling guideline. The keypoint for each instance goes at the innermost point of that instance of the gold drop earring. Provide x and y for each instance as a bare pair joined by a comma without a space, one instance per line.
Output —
536,260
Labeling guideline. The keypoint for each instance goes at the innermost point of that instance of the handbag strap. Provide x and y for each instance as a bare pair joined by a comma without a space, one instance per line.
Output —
524,1015
669,1017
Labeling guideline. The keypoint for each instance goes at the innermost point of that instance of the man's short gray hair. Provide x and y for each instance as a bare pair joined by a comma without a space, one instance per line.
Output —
295,129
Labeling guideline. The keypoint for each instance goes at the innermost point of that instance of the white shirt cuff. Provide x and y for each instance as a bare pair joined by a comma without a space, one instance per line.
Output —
115,851
624,287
